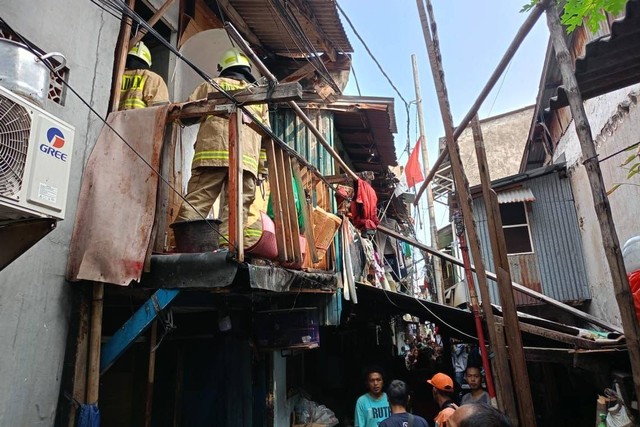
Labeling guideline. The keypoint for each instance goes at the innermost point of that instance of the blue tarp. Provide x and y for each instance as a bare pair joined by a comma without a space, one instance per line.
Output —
88,416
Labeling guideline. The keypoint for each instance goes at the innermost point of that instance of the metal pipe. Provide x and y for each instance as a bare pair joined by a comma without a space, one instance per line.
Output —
526,27
235,35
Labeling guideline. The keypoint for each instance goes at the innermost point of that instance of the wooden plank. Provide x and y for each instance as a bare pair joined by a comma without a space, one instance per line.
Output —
306,215
82,300
619,280
554,335
237,19
122,49
212,105
505,379
93,373
276,204
293,214
284,201
152,21
151,373
134,327
235,186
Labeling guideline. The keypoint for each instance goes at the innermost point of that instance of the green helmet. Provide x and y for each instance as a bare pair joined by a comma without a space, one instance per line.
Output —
232,58
141,51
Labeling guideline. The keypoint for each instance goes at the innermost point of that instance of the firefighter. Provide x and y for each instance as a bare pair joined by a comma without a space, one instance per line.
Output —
210,165
141,87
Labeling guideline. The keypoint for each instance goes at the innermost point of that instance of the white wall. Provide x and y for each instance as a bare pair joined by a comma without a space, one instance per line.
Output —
615,124
34,296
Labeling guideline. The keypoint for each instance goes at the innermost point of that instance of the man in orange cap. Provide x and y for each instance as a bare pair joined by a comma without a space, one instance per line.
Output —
443,396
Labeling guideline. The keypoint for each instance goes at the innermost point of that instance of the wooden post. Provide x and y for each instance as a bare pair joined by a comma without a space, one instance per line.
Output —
437,266
503,378
93,376
151,373
152,21
235,185
122,49
526,27
82,299
501,262
291,206
306,214
276,201
610,241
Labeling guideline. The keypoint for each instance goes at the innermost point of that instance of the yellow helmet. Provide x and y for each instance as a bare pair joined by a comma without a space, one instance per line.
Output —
141,51
231,58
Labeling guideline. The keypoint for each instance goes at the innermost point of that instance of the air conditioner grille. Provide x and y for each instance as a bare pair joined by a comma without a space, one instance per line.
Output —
15,127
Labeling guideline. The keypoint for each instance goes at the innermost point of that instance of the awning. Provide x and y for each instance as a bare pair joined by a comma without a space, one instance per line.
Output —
456,323
516,195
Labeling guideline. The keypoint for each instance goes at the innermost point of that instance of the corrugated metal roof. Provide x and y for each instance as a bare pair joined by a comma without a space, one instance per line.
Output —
516,195
265,22
611,62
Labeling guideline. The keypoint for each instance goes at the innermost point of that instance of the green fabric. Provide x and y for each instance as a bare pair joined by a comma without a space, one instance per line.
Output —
298,206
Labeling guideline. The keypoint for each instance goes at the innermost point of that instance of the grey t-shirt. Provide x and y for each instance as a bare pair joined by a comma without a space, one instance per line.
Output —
483,398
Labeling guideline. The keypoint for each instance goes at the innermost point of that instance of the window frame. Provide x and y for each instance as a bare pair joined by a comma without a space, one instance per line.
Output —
527,224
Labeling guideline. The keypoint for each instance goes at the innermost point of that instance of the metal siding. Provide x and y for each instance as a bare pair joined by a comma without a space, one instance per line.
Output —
288,127
556,241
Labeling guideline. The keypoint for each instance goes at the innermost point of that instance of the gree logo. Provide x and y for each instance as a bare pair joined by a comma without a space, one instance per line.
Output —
56,141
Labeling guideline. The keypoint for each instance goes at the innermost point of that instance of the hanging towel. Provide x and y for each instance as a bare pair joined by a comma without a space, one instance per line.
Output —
364,209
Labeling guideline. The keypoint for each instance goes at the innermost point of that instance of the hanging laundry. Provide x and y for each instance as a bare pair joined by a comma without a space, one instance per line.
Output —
364,213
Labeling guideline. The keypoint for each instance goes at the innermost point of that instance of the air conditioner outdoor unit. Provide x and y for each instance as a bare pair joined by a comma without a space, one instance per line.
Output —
35,160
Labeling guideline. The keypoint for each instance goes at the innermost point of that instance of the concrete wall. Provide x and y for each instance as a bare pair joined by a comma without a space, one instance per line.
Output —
615,124
504,138
34,296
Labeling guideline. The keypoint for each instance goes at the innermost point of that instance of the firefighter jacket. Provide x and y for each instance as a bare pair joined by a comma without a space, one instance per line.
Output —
212,142
141,89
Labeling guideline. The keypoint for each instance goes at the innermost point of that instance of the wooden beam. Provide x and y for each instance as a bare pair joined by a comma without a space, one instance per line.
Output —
504,380
284,201
236,225
122,49
526,27
306,214
554,335
276,201
613,255
293,213
152,21
212,105
237,19
93,375
151,374
300,73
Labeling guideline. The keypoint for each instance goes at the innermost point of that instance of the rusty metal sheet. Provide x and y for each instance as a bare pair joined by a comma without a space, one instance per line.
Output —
524,270
117,199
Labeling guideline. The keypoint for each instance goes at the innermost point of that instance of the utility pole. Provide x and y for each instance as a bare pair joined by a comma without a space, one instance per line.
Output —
437,266
598,191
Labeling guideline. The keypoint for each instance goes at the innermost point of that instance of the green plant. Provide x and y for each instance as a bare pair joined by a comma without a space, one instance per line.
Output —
589,12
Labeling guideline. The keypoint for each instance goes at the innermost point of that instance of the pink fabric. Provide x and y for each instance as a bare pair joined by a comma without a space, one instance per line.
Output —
117,203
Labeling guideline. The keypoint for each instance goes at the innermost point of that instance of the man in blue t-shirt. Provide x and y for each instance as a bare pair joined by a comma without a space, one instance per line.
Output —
373,406
397,395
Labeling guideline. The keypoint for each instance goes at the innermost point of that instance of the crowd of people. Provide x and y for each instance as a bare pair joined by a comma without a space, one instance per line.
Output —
387,407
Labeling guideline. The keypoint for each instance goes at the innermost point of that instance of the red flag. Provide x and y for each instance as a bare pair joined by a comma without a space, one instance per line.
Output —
413,171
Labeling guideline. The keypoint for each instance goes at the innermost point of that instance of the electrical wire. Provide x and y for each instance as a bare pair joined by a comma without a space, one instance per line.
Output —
371,54
104,121
612,155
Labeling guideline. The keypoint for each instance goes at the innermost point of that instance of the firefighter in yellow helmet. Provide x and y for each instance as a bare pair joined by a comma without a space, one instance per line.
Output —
210,165
141,87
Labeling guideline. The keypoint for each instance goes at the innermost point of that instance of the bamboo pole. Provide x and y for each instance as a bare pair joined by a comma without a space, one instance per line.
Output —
236,226
151,374
437,267
504,380
122,49
516,286
526,27
93,376
475,309
498,249
610,241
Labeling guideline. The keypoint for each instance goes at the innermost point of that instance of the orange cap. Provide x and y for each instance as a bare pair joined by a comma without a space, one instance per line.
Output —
441,382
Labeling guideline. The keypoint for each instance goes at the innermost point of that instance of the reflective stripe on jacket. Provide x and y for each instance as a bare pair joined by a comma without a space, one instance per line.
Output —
141,89
212,142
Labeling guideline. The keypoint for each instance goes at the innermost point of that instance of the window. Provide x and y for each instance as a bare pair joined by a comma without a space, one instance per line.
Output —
515,226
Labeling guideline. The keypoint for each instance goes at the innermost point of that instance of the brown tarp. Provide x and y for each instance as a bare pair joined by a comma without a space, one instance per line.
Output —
117,202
